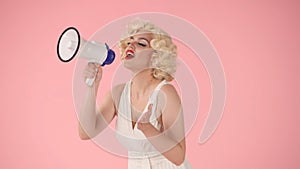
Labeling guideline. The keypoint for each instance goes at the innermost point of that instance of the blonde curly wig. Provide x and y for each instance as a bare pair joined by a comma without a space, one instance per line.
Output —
164,58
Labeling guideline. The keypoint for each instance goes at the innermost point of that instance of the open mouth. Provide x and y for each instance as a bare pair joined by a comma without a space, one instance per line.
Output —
129,54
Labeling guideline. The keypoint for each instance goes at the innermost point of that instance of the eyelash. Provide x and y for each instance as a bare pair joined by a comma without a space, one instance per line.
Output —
141,44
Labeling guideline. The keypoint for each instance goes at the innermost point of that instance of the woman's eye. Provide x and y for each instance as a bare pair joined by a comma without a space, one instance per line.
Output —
142,44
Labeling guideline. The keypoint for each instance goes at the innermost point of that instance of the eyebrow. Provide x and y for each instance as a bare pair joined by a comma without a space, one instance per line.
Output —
141,38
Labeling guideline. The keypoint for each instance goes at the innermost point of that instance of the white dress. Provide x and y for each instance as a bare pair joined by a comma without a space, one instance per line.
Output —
141,153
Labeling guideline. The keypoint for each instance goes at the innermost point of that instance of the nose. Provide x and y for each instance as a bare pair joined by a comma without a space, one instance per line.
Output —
132,44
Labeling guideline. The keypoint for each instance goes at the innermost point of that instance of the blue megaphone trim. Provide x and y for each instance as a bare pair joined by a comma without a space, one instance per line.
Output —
110,56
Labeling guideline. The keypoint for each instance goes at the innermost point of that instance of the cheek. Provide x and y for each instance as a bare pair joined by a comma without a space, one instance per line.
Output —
146,53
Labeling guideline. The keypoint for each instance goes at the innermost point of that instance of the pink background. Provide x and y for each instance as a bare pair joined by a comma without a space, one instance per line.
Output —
258,44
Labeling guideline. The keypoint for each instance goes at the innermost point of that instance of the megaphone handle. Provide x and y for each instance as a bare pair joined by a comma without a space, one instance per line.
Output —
90,81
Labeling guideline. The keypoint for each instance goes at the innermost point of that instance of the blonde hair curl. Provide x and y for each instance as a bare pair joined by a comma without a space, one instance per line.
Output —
165,56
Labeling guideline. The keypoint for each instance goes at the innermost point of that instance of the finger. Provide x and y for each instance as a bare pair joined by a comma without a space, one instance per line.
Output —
145,118
92,69
99,73
149,112
150,107
97,65
99,69
140,126
89,73
93,66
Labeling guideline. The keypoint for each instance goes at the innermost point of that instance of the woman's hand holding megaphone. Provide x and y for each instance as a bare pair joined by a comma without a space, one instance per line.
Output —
93,71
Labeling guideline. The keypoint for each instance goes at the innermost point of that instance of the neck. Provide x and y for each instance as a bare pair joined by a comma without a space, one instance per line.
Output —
143,81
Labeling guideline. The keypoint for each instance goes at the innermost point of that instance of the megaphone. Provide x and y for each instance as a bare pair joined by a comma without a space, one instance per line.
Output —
70,43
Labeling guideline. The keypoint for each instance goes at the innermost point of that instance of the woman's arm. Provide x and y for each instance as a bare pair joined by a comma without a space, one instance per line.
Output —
93,120
170,142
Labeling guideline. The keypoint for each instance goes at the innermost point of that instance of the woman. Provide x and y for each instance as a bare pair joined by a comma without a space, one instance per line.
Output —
148,109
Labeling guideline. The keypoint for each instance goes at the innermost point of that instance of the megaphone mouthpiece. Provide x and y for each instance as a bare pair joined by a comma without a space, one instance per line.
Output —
110,56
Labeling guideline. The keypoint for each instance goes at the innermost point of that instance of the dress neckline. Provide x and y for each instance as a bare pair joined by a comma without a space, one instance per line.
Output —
133,126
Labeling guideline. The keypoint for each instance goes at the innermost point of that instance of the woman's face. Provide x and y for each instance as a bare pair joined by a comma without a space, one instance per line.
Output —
138,52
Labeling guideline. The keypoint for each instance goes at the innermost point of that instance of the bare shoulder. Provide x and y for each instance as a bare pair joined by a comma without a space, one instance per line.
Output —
118,89
116,92
168,99
170,93
171,108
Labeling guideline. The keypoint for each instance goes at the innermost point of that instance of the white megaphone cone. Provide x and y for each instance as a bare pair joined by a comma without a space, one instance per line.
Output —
70,43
